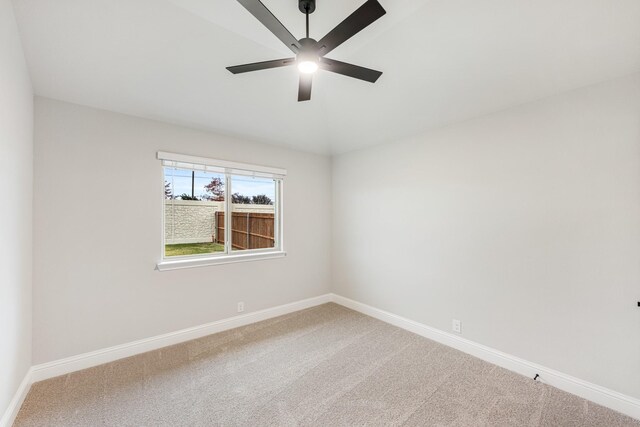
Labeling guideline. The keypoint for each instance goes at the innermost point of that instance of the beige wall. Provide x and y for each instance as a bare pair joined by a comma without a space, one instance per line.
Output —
94,280
16,164
190,221
524,224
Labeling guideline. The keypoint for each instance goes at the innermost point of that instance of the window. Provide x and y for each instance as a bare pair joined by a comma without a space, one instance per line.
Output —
215,211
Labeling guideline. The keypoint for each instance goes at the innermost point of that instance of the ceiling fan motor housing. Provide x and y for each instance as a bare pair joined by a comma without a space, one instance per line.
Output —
305,5
309,50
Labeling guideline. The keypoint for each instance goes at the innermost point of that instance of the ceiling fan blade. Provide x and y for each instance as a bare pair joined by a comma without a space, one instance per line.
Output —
236,69
350,70
357,21
304,90
264,15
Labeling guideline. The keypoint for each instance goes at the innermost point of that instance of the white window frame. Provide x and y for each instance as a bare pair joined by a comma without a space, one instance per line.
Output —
228,169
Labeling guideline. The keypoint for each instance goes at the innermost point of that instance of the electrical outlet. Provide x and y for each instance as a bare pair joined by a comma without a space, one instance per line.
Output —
240,307
457,326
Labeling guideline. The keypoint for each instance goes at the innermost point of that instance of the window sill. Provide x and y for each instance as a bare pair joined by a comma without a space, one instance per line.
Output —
227,259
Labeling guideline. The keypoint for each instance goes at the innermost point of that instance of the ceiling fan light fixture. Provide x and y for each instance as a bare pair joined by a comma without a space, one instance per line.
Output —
307,58
308,67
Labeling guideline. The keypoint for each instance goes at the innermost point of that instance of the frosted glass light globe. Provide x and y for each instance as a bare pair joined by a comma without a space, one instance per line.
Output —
307,67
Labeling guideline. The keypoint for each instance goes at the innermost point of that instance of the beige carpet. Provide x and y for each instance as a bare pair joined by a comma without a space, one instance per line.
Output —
325,366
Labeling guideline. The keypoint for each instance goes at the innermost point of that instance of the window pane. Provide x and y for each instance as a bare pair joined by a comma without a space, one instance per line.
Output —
193,212
253,213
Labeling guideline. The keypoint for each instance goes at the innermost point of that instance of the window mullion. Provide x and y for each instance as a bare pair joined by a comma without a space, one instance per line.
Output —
276,215
280,214
227,214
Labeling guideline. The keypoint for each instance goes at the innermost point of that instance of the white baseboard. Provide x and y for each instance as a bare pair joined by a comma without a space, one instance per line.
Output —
18,398
611,399
98,357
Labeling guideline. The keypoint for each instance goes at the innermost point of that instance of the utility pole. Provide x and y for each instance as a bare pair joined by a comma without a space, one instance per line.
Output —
193,180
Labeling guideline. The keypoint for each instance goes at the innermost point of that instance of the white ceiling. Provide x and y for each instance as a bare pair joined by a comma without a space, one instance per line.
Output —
443,61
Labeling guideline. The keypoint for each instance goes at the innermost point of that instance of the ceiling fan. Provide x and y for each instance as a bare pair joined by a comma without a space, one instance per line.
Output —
310,54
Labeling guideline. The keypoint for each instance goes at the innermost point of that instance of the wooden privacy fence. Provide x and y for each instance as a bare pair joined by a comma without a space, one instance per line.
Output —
249,230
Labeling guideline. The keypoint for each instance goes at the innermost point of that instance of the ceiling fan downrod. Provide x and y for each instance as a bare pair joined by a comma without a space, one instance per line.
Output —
307,7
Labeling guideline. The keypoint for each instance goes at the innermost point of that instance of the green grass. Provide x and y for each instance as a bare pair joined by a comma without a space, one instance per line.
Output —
192,249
